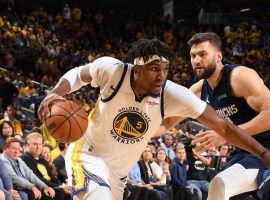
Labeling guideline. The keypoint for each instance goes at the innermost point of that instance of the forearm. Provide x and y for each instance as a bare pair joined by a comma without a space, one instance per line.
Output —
255,126
204,160
62,88
231,133
236,136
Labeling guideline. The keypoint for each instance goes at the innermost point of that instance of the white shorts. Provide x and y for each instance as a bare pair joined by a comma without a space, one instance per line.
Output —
84,168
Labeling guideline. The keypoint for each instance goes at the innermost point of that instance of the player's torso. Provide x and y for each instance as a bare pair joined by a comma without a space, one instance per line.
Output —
121,127
228,106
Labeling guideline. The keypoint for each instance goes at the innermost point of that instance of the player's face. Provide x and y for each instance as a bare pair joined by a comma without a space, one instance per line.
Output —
204,59
152,76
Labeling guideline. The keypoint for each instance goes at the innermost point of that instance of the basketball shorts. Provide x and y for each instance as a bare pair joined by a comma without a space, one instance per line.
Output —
83,168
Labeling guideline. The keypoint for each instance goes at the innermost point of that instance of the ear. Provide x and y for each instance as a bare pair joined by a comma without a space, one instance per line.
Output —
219,57
137,70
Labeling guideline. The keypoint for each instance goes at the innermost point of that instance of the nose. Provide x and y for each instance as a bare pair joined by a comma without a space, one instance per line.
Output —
162,74
196,60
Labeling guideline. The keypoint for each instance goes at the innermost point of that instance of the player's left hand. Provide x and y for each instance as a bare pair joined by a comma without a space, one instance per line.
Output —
206,139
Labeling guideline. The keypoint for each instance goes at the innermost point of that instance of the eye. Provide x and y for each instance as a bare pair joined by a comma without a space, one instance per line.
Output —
202,55
154,69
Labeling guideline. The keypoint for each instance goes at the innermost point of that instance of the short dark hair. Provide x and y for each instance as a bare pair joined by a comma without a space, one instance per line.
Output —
147,47
61,146
198,38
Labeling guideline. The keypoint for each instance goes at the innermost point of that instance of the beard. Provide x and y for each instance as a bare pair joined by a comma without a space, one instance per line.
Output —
208,72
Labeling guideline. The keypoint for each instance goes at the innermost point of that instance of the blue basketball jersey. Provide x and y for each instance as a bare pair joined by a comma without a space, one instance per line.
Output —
230,107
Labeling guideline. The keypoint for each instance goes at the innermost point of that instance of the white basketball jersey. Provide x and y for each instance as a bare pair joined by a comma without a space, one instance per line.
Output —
121,123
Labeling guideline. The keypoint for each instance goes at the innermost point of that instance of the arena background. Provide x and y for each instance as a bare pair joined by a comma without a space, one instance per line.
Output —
38,44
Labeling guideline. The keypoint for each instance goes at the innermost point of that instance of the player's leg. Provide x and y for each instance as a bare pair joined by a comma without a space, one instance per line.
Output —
94,192
232,181
87,174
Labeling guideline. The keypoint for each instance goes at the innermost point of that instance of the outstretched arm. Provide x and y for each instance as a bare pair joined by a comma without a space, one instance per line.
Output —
257,96
232,134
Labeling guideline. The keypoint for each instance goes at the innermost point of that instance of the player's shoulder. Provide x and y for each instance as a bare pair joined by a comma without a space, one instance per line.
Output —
107,60
196,88
106,65
170,85
172,88
242,72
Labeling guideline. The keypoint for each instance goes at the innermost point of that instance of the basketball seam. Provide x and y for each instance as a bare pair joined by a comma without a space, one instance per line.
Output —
75,112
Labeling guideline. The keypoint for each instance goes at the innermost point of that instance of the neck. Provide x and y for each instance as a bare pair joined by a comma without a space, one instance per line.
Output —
34,156
146,161
214,80
11,119
63,153
135,85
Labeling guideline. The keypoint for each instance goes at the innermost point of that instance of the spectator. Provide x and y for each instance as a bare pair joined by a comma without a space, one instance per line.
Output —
168,145
6,131
164,162
152,173
59,162
16,124
198,174
39,166
22,176
46,154
182,189
6,185
147,191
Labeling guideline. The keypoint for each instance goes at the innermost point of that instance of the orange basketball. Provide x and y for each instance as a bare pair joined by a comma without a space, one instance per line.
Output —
67,121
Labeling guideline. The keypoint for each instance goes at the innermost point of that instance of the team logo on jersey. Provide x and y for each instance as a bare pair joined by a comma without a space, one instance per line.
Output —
223,96
129,126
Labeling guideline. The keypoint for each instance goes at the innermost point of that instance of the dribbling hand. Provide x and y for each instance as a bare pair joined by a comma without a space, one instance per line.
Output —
43,109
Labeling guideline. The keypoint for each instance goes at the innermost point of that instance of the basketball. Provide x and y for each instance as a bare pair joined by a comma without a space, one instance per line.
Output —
67,121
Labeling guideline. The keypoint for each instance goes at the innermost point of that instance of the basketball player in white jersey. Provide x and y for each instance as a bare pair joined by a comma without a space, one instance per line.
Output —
136,102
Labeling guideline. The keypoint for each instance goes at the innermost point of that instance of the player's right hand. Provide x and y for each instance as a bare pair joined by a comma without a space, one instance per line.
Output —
44,108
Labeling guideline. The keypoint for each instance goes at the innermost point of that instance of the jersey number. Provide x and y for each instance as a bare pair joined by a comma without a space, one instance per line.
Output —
139,125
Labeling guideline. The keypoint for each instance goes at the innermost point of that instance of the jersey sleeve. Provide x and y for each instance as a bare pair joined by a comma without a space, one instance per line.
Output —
106,73
180,101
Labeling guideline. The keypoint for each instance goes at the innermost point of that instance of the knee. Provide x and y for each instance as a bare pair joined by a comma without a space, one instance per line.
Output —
217,184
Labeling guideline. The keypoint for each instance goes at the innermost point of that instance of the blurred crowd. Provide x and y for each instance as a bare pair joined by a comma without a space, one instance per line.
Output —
38,48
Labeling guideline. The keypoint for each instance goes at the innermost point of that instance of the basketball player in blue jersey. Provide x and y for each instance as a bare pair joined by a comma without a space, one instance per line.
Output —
238,95
135,102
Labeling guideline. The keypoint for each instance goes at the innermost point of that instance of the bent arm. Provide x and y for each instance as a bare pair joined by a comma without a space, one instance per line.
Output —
231,133
73,80
251,87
